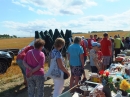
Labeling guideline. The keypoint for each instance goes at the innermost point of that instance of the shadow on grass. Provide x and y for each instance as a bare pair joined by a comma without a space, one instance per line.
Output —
12,92
18,91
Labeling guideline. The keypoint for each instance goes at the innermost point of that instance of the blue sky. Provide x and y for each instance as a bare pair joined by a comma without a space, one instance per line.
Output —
23,17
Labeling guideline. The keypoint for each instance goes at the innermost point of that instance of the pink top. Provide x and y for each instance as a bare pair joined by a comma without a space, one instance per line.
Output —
30,60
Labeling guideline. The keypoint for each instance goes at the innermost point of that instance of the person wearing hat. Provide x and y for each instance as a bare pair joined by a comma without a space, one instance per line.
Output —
94,57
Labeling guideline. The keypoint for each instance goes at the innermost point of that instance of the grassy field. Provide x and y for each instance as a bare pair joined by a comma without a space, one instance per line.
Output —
15,43
100,34
14,71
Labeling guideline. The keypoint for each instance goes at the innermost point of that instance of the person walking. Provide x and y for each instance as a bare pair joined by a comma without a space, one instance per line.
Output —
76,59
34,63
117,45
106,50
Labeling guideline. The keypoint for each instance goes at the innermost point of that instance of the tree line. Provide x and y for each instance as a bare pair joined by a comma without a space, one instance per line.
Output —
7,36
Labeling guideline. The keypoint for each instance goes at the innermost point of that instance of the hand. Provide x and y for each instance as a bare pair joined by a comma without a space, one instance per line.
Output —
68,74
83,66
29,74
30,68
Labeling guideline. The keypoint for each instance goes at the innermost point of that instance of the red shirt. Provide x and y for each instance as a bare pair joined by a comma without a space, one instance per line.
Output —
99,53
84,47
105,44
23,53
90,44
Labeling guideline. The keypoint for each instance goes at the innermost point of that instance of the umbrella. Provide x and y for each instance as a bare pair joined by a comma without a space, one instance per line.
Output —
37,35
62,34
51,33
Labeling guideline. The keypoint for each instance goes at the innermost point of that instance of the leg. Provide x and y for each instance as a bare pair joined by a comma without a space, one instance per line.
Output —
116,52
71,81
23,69
76,80
31,87
58,87
40,85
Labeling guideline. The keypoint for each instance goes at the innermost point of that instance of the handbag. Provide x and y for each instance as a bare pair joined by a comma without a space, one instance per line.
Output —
54,71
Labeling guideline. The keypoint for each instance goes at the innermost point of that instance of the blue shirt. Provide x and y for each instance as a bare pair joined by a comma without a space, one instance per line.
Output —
56,53
75,50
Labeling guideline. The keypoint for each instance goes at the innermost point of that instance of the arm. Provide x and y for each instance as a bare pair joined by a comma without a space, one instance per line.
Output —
37,68
26,65
96,63
60,65
82,59
92,42
110,48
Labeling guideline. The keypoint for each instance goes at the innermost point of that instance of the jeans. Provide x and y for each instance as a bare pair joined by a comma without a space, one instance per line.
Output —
58,87
22,67
36,86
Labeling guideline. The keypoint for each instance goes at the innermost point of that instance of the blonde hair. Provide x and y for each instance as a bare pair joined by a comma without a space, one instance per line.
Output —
59,42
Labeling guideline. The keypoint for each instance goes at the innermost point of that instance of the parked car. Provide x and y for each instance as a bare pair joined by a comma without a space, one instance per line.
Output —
5,61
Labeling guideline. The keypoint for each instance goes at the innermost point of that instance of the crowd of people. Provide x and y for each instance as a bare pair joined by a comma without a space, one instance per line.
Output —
99,51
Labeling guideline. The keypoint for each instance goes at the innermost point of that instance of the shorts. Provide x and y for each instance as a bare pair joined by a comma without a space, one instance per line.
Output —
106,60
76,70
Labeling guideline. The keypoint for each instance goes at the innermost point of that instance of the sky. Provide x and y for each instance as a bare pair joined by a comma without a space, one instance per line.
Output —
24,17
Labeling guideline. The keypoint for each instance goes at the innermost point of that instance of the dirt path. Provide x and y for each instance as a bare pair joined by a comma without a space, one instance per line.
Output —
21,91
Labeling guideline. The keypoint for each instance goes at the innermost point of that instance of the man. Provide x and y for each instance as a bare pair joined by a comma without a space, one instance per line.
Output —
117,45
106,50
82,43
85,41
90,42
95,38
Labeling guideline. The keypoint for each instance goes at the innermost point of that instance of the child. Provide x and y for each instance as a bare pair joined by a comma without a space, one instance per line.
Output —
34,61
94,58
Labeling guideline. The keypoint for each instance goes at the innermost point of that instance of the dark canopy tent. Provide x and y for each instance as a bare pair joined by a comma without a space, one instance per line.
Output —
62,34
56,34
42,35
48,41
51,33
37,35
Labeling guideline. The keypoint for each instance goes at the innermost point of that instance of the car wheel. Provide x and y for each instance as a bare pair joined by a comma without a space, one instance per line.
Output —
3,66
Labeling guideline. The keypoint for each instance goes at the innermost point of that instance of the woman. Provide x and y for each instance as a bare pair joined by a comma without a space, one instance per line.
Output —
58,82
20,58
76,59
34,63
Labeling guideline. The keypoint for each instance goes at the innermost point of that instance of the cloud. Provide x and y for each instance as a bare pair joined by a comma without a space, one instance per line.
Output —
54,7
84,24
112,0
30,8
